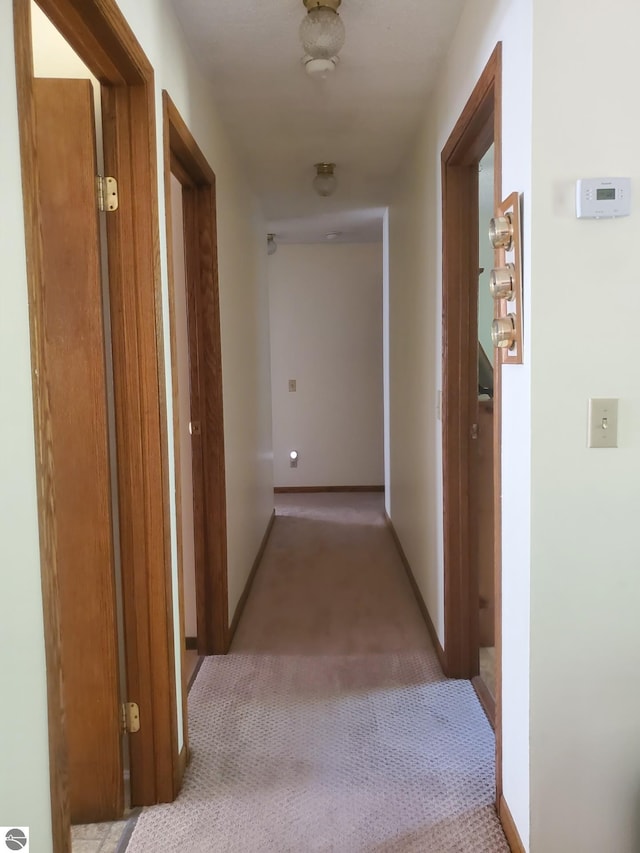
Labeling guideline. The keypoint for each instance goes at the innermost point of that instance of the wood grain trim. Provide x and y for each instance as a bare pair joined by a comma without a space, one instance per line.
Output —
212,423
247,587
459,401
479,124
198,492
141,438
416,591
476,128
182,764
301,490
58,767
183,157
497,455
509,827
485,698
192,678
102,38
184,147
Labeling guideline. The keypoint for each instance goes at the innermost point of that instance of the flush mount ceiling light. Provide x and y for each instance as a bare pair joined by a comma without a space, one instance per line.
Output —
322,36
272,246
324,182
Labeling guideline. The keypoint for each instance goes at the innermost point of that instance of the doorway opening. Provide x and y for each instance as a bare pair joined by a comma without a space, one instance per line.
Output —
102,39
471,399
196,360
484,509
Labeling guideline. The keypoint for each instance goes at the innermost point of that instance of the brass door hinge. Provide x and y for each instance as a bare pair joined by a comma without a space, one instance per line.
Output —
195,428
129,717
474,431
107,189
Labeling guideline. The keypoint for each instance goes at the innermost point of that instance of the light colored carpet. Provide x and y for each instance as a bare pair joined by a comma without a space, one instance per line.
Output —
329,726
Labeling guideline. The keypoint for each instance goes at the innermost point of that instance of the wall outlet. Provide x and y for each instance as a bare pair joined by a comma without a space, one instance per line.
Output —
292,385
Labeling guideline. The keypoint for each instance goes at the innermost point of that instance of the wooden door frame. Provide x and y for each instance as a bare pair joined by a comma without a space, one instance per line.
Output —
185,160
480,123
100,35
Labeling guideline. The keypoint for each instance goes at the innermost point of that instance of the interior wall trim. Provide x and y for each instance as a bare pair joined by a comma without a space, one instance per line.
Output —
416,591
479,124
102,38
186,161
486,699
247,587
509,827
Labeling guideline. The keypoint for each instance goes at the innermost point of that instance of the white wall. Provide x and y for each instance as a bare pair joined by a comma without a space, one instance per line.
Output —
326,333
415,357
585,504
243,287
24,773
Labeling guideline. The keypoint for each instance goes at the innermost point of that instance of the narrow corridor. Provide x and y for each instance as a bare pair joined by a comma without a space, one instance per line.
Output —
329,726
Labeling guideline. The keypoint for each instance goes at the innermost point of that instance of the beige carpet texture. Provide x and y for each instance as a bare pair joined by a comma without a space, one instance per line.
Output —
330,726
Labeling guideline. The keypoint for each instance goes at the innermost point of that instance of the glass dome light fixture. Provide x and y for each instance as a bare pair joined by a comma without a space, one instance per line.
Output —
322,36
272,246
324,182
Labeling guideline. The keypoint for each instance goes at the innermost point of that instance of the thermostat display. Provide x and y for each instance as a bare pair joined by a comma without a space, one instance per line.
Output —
602,198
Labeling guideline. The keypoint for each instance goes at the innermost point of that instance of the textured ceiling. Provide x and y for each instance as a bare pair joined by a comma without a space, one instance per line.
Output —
363,117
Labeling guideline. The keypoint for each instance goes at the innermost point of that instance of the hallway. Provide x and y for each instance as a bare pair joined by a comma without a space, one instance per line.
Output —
329,726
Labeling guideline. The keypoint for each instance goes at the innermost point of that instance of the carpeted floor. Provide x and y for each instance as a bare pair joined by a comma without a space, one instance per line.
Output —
329,726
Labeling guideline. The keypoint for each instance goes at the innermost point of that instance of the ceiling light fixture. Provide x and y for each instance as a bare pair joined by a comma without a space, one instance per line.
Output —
272,246
324,182
333,235
322,36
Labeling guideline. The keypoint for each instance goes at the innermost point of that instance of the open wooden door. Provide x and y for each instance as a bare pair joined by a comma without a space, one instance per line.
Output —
78,444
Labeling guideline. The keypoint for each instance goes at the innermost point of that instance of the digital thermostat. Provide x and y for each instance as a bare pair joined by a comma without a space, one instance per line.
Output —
601,198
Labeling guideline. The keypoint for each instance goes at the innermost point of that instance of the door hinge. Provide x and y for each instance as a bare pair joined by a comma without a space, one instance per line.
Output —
194,428
474,431
129,717
107,189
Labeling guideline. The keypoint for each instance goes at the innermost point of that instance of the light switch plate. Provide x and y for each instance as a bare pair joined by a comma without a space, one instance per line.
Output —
603,423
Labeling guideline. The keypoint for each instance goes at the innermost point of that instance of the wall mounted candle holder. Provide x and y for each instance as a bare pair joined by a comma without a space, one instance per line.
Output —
505,281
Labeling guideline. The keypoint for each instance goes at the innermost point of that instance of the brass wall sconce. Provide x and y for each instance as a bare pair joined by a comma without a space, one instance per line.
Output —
501,232
503,331
502,282
505,281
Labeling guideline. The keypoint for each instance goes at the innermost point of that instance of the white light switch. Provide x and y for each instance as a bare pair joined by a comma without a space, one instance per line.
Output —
603,423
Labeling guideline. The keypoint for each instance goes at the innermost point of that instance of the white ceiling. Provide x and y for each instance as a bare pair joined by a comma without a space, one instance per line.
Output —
363,117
